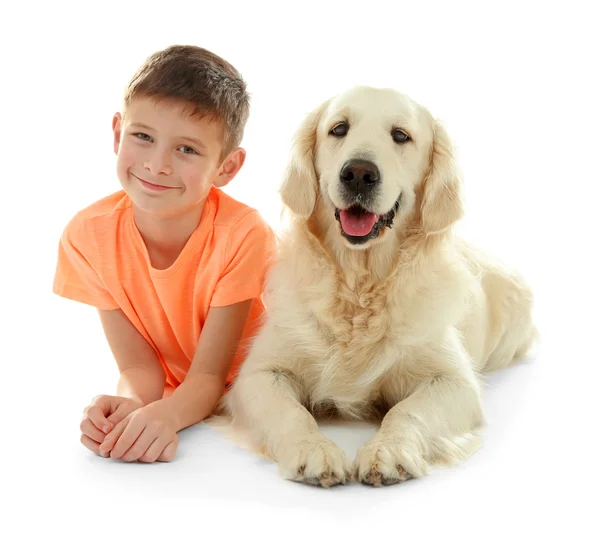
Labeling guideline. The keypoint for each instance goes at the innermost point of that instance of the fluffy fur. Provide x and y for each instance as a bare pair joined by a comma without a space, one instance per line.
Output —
399,327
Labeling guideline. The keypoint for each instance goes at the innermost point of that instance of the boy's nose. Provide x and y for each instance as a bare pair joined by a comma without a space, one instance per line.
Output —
159,162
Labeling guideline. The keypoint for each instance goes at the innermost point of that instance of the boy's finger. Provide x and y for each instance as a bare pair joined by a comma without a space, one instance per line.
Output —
90,444
89,429
122,411
169,452
104,402
97,415
112,437
140,446
155,449
133,429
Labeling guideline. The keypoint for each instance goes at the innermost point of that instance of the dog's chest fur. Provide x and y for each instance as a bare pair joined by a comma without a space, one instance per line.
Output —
361,327
358,333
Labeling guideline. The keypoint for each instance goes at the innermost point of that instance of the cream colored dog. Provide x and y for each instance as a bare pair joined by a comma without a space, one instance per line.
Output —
374,307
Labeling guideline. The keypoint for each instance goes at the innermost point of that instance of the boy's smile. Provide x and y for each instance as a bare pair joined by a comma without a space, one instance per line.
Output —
152,186
168,159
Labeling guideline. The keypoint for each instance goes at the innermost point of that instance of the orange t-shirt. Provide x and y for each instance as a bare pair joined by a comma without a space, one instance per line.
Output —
103,261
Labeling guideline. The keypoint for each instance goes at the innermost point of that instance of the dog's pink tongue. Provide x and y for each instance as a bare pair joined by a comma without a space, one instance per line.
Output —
357,224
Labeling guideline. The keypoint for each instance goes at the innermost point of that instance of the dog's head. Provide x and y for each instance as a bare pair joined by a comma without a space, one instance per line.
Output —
374,158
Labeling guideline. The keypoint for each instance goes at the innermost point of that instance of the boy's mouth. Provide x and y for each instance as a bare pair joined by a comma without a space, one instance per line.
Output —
152,186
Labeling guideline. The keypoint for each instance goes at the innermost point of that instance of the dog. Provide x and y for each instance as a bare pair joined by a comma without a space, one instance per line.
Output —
375,309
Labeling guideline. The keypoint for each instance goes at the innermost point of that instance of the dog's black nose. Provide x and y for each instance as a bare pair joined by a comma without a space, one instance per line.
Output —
359,175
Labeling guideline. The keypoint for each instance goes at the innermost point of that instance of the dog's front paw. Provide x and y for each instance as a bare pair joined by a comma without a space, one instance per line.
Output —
384,460
315,461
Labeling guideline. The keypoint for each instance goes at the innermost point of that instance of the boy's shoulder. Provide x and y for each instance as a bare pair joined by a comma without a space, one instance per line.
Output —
232,213
99,217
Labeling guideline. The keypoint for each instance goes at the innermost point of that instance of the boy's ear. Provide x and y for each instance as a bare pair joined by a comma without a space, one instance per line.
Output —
230,167
117,124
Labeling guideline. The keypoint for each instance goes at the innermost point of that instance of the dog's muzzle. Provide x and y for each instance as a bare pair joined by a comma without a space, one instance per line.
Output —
359,225
359,178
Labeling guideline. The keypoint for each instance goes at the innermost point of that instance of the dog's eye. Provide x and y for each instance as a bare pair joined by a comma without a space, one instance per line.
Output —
399,136
340,130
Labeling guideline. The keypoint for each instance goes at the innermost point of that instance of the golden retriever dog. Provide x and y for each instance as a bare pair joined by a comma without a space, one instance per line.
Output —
375,308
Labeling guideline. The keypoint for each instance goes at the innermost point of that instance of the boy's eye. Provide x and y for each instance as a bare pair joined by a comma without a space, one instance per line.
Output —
143,136
187,150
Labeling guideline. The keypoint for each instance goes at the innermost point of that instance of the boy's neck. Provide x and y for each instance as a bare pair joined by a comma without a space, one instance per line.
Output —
165,237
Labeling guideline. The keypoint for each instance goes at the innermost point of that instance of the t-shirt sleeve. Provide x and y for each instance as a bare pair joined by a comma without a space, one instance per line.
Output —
249,253
76,278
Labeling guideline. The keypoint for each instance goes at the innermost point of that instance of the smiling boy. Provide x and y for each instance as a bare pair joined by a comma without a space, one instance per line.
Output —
174,265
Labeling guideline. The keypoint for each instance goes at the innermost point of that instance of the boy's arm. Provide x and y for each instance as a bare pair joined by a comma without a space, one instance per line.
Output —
198,394
142,377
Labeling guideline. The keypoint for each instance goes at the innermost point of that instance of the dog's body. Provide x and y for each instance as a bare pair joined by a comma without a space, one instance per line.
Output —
374,307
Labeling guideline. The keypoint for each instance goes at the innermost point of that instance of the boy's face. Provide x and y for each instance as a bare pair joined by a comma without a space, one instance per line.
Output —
168,160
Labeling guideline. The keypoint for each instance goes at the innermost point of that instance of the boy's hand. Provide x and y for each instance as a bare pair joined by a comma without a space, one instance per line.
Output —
146,435
101,416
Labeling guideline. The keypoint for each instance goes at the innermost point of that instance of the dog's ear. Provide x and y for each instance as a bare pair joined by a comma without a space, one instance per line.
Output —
441,203
299,188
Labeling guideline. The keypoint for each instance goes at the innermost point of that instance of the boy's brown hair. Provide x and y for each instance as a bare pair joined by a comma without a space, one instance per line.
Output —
209,84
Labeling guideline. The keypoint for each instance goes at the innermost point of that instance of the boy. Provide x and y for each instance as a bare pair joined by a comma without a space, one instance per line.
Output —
174,266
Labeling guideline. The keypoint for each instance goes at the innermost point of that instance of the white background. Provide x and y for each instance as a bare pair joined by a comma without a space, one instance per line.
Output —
515,85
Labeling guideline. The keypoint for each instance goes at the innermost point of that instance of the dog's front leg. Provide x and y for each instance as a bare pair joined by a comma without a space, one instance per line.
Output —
268,405
434,424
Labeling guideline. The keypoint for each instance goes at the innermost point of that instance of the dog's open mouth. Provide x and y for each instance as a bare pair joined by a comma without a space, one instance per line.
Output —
359,225
357,222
